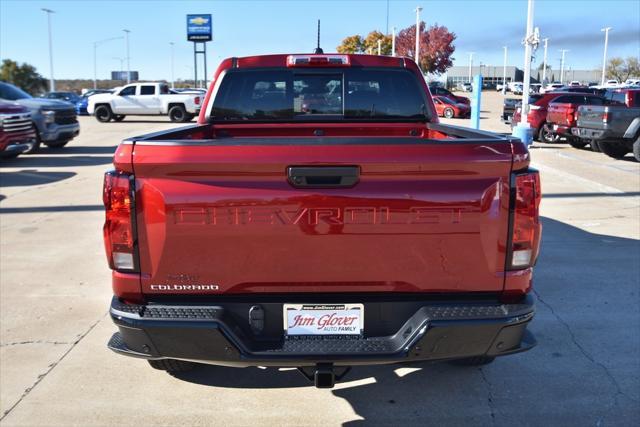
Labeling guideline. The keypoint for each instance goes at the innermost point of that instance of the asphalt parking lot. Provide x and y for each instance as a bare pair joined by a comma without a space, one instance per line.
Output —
55,368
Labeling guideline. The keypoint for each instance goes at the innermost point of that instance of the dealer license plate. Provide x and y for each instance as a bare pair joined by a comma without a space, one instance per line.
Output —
323,319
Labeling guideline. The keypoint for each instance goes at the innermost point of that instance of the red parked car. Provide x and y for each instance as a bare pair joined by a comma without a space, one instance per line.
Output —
449,108
17,133
319,216
437,90
537,116
562,114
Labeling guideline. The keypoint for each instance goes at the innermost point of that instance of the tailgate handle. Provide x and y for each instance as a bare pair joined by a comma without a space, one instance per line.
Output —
323,176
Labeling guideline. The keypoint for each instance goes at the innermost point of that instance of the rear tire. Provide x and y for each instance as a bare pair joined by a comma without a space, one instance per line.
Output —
119,118
103,113
473,361
616,151
178,114
595,146
546,135
448,113
636,149
577,143
171,365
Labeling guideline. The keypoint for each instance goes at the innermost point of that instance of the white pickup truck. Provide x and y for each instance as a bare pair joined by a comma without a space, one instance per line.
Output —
144,99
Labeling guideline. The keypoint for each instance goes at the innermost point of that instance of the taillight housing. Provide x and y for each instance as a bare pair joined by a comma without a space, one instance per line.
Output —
196,100
526,227
569,116
119,225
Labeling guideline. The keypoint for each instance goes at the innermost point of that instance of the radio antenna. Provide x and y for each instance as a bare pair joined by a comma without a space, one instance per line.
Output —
318,50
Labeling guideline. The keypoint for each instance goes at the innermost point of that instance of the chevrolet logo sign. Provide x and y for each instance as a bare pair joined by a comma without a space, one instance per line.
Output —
199,21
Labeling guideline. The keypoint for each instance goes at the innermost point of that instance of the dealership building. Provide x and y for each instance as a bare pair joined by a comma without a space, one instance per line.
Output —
492,75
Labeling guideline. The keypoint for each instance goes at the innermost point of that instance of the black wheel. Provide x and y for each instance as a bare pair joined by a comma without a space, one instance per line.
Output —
636,149
171,365
177,113
36,145
448,113
103,113
57,144
545,134
577,143
473,361
595,146
617,151
119,118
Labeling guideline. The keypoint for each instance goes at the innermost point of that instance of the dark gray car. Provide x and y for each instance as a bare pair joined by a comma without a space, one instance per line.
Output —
55,121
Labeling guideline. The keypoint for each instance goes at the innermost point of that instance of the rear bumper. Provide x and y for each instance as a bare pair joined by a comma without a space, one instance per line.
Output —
562,130
220,333
585,133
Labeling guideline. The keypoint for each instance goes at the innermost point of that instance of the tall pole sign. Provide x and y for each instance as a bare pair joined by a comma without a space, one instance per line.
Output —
199,30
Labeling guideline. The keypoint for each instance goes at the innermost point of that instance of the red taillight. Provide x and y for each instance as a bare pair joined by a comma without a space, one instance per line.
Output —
196,100
119,239
569,116
525,237
605,116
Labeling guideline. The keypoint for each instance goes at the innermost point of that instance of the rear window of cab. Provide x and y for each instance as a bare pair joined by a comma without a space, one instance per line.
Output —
283,94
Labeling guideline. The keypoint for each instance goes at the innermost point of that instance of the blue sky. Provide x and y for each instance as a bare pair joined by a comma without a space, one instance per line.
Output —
257,27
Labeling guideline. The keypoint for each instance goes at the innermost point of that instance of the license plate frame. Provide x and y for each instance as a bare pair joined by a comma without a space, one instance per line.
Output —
329,320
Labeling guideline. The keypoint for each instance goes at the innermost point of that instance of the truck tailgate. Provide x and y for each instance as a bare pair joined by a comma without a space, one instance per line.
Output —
591,117
221,217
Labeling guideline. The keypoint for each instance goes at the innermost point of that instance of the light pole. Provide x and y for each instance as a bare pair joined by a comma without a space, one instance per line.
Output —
126,33
504,72
172,79
393,42
604,59
470,64
95,60
417,55
562,65
52,83
526,84
544,61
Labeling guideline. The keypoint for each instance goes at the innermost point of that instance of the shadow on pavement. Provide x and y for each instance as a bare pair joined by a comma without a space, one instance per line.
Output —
79,149
28,177
169,122
70,208
570,358
57,161
593,194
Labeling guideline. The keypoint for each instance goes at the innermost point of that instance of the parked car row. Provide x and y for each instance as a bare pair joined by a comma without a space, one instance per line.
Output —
54,122
608,121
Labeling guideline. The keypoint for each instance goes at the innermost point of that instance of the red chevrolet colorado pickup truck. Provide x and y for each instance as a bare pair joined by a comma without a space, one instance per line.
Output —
318,216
